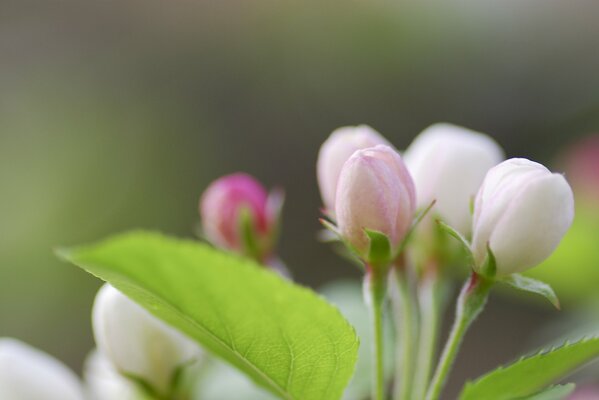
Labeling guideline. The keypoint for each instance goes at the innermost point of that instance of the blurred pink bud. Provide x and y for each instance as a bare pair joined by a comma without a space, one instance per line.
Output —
221,208
375,192
582,166
585,393
521,213
335,151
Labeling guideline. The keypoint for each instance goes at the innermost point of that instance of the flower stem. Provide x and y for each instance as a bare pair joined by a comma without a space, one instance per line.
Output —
471,302
406,324
429,306
375,289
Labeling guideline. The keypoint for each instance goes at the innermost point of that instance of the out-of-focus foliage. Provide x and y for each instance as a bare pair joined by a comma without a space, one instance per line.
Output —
527,376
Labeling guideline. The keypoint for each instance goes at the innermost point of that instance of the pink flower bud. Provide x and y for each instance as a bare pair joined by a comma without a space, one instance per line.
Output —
335,151
582,167
375,192
221,208
521,213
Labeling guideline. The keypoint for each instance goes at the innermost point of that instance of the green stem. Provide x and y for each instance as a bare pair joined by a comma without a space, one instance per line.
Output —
375,283
429,305
406,324
471,302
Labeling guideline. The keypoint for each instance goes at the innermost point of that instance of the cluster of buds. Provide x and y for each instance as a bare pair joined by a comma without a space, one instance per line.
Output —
521,210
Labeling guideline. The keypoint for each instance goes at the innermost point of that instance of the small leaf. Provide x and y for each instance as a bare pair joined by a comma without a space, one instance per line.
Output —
380,247
531,285
557,392
417,220
283,336
528,376
331,227
458,236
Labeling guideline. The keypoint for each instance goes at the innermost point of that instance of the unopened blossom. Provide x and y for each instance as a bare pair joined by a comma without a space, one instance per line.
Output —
30,374
222,206
521,213
104,382
137,343
375,192
448,164
582,167
335,151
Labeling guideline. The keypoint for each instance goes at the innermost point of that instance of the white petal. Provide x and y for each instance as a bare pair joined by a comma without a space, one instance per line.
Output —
103,382
335,151
136,342
534,224
501,186
448,164
29,374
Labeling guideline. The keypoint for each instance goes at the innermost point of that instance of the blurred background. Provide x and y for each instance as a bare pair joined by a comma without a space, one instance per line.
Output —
117,114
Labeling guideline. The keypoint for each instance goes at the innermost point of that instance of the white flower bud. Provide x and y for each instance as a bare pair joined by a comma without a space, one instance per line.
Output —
29,374
375,192
137,343
448,164
522,211
103,382
335,151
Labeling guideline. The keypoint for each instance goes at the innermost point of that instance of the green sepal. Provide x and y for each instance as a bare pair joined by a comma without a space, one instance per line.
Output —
417,219
489,267
274,208
379,252
461,240
328,225
531,285
247,231
557,392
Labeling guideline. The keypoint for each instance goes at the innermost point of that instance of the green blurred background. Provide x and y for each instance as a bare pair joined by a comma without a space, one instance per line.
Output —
117,114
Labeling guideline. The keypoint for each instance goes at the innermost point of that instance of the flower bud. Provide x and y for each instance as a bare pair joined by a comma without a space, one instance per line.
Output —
29,374
103,382
375,192
222,206
582,168
335,151
448,164
137,343
521,213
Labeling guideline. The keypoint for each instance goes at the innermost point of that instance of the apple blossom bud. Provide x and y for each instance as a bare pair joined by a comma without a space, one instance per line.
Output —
582,167
521,213
335,151
29,374
137,343
448,164
375,192
103,381
222,206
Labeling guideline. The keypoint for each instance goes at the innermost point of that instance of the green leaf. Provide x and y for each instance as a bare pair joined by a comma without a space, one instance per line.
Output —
531,285
529,375
557,392
283,336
